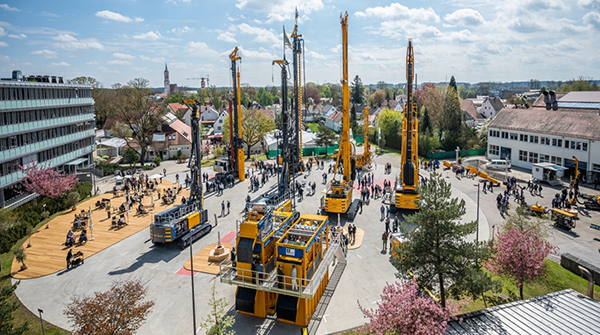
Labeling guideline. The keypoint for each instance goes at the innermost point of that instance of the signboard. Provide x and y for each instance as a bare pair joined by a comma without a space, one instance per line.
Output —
291,252
189,102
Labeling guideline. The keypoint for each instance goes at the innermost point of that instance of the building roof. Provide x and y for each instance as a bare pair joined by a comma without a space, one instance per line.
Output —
335,117
593,96
183,129
178,108
496,103
113,142
570,122
562,312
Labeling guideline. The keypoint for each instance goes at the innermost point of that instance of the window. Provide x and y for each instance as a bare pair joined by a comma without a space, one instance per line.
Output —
523,137
505,135
513,136
494,133
172,137
556,142
544,158
219,128
533,157
494,150
556,160
567,143
545,140
584,146
534,139
523,156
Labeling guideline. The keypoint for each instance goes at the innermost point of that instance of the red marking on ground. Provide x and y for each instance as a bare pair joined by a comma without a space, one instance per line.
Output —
227,238
377,182
185,272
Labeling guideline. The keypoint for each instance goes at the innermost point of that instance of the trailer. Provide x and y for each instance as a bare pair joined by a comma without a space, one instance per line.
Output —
548,172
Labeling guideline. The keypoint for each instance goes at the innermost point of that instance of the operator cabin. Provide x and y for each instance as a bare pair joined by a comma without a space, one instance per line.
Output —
539,135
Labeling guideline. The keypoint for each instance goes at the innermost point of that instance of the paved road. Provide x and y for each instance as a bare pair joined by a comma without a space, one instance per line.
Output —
367,271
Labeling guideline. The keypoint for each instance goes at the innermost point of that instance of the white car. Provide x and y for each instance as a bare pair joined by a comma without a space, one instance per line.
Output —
498,164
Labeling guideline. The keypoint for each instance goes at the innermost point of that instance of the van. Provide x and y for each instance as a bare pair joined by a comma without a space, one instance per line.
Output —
498,164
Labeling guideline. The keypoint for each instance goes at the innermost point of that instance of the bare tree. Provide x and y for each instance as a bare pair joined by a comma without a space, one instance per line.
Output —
120,310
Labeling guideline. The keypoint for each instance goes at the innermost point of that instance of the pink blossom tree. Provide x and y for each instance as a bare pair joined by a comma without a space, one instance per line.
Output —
403,310
519,254
46,181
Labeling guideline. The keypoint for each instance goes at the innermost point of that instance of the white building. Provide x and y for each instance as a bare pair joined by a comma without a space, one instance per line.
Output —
528,136
218,125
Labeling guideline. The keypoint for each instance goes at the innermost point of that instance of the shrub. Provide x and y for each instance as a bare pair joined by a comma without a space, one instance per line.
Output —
72,199
84,189
148,167
20,255
109,168
157,161
182,158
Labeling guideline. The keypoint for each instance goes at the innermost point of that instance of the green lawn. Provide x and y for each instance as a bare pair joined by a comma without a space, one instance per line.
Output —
558,278
314,127
22,314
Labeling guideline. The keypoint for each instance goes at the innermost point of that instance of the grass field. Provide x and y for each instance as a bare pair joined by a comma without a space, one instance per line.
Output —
22,314
314,127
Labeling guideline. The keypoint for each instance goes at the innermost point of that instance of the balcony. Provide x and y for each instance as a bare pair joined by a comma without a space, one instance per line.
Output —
26,150
44,103
51,123
16,176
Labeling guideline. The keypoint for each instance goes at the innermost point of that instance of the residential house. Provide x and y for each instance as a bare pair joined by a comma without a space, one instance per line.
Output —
218,125
468,119
536,135
328,110
312,113
334,121
467,106
326,101
172,137
491,106
182,112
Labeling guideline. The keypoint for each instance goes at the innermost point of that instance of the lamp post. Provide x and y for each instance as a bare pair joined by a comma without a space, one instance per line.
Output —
41,320
91,224
93,166
477,233
192,276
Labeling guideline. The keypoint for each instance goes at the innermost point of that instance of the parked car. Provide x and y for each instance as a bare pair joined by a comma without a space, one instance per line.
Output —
498,164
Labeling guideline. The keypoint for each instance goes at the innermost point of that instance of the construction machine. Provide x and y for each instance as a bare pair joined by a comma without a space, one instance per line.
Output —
297,46
406,195
189,221
235,163
338,198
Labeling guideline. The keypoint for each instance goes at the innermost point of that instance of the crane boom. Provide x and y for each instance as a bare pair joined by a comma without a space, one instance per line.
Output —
237,144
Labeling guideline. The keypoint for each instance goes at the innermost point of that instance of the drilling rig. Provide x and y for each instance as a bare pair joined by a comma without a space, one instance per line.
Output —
297,45
338,198
235,163
187,222
406,195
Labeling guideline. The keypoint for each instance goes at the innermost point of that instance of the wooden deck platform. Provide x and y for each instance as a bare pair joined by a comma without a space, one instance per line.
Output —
48,253
201,262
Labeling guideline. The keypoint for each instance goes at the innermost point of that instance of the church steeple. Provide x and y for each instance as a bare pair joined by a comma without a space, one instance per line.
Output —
167,82
166,70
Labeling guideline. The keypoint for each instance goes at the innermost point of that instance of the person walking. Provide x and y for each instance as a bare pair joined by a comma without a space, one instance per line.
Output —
222,208
382,210
165,172
228,206
69,256
387,224
384,239
233,259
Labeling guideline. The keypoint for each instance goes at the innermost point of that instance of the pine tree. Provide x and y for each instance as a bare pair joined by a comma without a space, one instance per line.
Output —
453,83
425,122
7,307
357,90
439,254
451,121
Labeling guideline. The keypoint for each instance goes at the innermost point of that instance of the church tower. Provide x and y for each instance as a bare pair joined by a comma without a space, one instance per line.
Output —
167,82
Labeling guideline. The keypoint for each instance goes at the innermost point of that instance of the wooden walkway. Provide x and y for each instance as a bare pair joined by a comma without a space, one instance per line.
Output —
201,262
48,253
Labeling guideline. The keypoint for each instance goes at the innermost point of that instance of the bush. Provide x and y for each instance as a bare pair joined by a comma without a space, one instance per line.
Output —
84,189
182,158
108,168
148,167
157,161
72,199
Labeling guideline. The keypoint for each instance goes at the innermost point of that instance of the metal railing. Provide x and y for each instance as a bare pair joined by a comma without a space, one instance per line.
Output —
270,282
21,200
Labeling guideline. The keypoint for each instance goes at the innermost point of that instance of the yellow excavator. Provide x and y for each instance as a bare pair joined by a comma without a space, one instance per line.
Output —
406,195
338,198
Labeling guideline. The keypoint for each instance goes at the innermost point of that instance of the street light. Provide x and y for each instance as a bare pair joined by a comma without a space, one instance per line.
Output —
192,276
41,321
477,233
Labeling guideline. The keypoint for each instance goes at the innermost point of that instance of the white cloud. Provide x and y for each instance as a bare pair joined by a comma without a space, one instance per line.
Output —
495,48
148,36
19,37
397,11
61,64
262,53
3,44
227,37
544,5
67,41
106,14
281,10
262,35
4,58
524,25
92,63
7,7
46,53
156,60
183,30
118,62
2,32
122,56
465,17
463,36
589,4
593,19
315,55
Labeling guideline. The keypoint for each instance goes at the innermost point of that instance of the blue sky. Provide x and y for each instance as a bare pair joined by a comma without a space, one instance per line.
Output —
477,40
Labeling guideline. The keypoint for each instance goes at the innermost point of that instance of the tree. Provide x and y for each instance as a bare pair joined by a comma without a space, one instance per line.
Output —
131,156
452,83
389,94
357,91
462,92
174,98
402,310
451,121
390,122
439,254
377,98
324,91
7,307
519,254
120,310
581,84
21,256
203,96
430,97
336,94
381,85
427,142
325,137
425,123
255,125
138,115
46,181
216,321
105,104
83,80
72,199
311,92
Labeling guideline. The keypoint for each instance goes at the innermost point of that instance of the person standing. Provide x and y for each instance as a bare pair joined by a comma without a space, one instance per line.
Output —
222,208
232,257
384,239
382,210
279,276
177,178
228,207
69,256
294,279
165,172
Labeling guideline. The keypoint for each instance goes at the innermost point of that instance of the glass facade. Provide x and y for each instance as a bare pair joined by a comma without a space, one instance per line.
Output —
47,123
